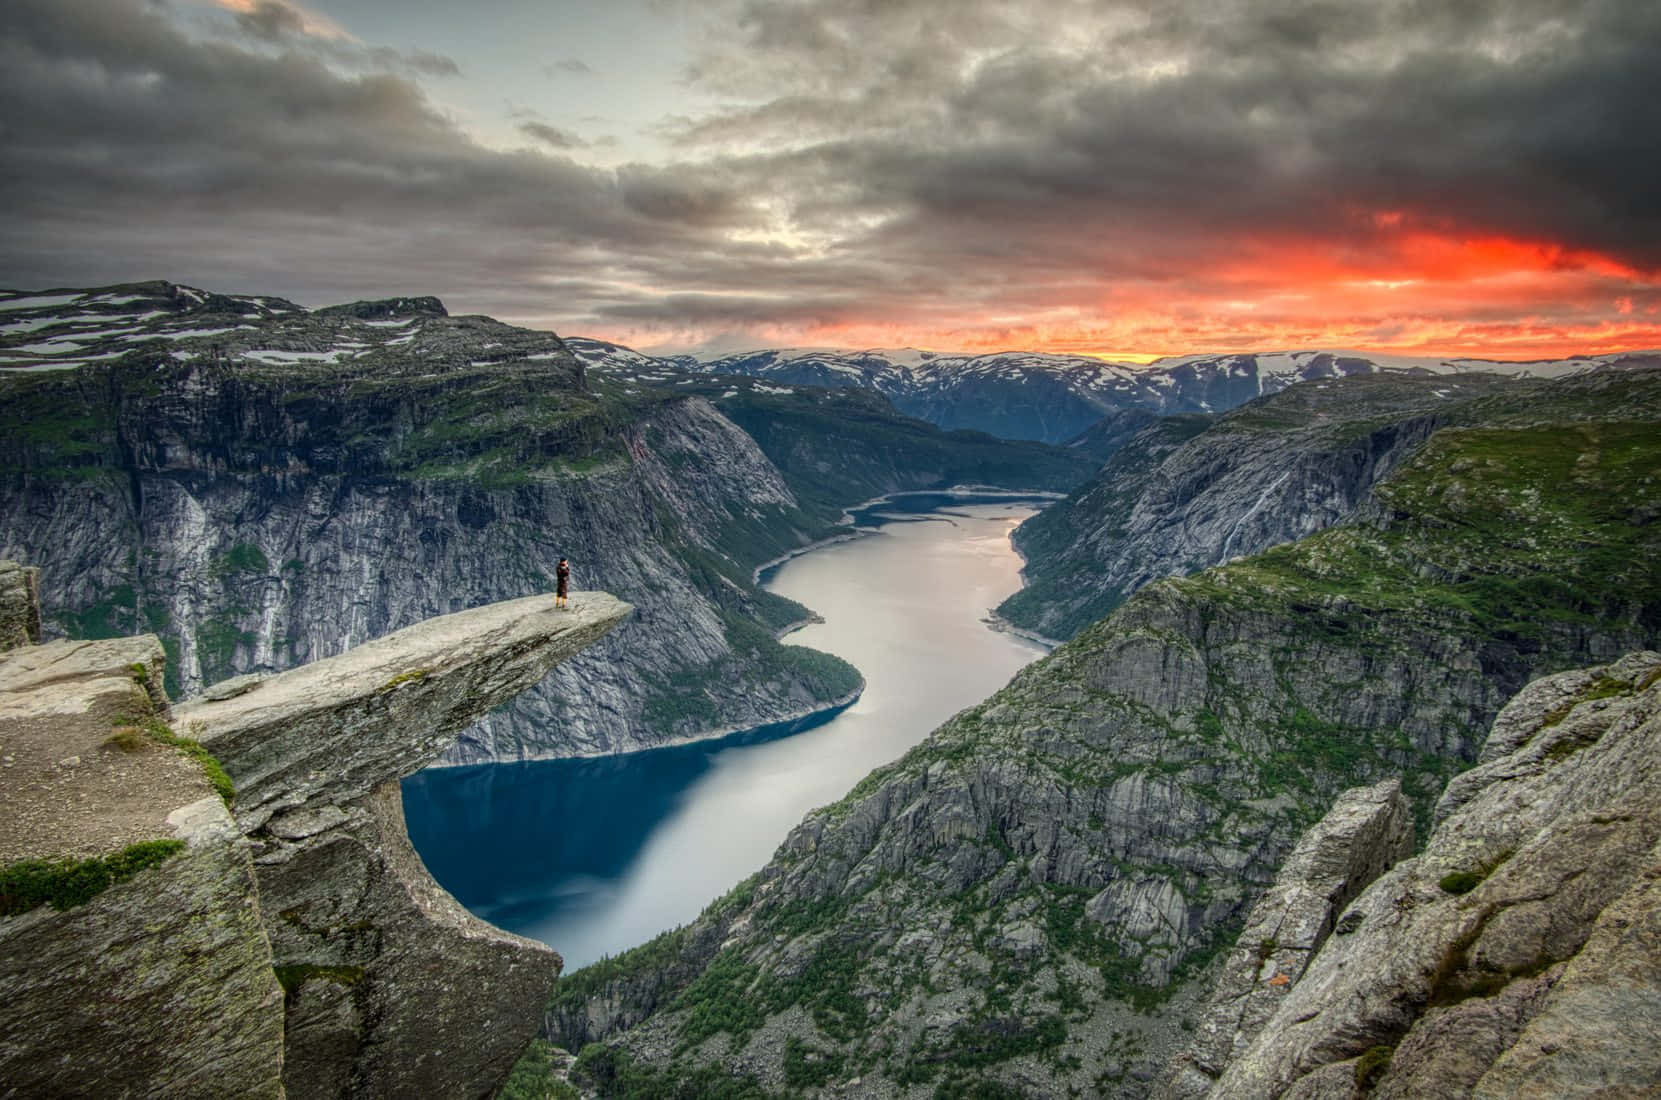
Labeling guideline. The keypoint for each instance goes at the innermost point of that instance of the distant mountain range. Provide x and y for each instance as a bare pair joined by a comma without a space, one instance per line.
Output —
1013,395
1031,395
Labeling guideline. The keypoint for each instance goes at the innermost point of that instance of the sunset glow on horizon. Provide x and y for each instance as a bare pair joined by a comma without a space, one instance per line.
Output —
1109,178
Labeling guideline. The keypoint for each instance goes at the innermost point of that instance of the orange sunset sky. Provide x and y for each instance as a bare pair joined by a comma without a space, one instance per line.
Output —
1119,178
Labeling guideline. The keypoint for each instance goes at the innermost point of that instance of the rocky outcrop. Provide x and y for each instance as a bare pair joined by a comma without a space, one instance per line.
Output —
383,969
1520,953
1367,831
1191,492
19,605
162,984
264,486
133,960
1030,894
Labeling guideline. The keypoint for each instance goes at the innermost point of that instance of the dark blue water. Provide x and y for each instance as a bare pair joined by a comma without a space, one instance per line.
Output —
594,856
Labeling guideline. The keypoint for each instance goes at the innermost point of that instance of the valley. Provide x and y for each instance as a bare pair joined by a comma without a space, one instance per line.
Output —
1277,578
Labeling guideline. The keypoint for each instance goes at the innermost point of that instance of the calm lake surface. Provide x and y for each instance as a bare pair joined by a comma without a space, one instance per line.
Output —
594,856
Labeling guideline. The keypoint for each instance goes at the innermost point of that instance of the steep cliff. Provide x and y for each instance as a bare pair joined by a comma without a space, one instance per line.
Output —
268,487
1520,953
1189,492
245,915
133,961
263,485
1026,896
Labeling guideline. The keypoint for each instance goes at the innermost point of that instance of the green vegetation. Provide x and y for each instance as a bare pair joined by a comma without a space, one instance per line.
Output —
217,640
1372,1066
55,425
128,731
532,1077
64,884
413,676
242,558
806,1065
613,1073
292,977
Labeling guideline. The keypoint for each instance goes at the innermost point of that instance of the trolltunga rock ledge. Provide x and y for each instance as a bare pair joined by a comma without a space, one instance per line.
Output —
391,987
331,731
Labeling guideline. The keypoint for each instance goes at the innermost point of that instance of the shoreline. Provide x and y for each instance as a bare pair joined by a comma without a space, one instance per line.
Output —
964,492
800,720
1001,625
807,719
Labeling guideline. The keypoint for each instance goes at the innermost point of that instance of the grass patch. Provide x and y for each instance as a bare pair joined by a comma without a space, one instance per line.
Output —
413,676
154,729
64,884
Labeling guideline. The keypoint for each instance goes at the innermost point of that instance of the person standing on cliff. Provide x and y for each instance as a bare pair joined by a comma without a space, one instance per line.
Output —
562,581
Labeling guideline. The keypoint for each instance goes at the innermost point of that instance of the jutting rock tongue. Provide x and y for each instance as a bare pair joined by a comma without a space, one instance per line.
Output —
393,989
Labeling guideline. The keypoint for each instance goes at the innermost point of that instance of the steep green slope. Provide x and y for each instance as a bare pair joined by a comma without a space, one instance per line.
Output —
1019,903
837,447
1188,493
293,483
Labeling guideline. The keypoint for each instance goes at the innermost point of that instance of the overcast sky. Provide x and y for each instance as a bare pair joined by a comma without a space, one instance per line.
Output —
1157,177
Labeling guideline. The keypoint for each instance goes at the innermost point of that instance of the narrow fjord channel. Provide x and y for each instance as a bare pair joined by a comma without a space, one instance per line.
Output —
593,856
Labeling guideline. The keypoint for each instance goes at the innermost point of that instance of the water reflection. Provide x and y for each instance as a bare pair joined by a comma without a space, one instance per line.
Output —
593,856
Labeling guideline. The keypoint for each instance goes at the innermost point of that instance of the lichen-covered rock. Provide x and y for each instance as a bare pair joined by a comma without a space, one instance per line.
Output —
19,605
159,983
1520,953
163,984
394,988
1367,830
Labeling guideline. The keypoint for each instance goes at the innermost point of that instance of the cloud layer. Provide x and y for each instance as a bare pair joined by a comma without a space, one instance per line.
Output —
1452,175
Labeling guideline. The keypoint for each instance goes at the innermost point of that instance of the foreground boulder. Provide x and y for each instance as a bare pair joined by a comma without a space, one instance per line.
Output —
1520,953
293,944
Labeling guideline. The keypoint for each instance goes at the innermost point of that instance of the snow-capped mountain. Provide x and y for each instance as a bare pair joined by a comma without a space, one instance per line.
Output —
1032,395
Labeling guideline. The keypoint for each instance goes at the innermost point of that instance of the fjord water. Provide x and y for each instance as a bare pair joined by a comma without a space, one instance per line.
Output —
594,856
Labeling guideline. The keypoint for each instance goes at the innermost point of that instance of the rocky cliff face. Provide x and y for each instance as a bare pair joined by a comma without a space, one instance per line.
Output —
162,960
1520,953
19,605
263,486
1028,895
132,956
1367,831
1191,492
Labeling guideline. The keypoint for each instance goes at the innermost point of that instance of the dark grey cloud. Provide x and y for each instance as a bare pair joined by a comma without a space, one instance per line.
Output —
279,23
1510,116
551,136
905,161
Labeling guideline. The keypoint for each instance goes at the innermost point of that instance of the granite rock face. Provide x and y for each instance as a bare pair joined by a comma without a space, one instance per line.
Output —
19,605
393,988
1368,830
1191,492
263,486
1520,953
160,985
